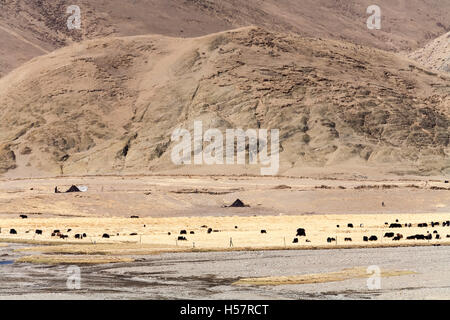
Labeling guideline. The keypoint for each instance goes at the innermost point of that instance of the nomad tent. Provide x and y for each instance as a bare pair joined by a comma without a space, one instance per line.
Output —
238,204
73,189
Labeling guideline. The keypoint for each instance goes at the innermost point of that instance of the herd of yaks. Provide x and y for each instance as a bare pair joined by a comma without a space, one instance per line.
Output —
394,236
59,234
301,232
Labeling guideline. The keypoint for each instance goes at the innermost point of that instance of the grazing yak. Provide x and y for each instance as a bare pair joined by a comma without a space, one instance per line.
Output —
23,216
105,235
416,237
365,238
348,239
434,224
397,237
183,232
373,238
420,237
395,225
350,225
182,238
329,240
263,231
192,232
38,232
423,225
301,232
389,235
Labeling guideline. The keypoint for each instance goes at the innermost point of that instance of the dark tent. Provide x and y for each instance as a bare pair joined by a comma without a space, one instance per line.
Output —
73,189
238,204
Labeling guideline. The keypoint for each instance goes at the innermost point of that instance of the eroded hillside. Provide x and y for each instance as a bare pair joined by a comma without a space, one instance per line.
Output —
110,105
435,54
29,28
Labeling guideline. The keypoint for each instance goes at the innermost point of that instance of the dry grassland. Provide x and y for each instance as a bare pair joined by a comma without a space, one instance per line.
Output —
345,274
161,234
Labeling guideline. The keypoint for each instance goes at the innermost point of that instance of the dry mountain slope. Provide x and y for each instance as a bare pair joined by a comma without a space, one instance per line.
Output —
31,24
435,55
110,105
406,24
27,24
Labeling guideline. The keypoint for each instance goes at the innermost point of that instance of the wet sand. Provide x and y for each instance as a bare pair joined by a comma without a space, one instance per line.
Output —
210,275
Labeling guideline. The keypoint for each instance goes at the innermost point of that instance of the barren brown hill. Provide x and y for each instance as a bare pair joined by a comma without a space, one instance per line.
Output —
110,105
29,28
